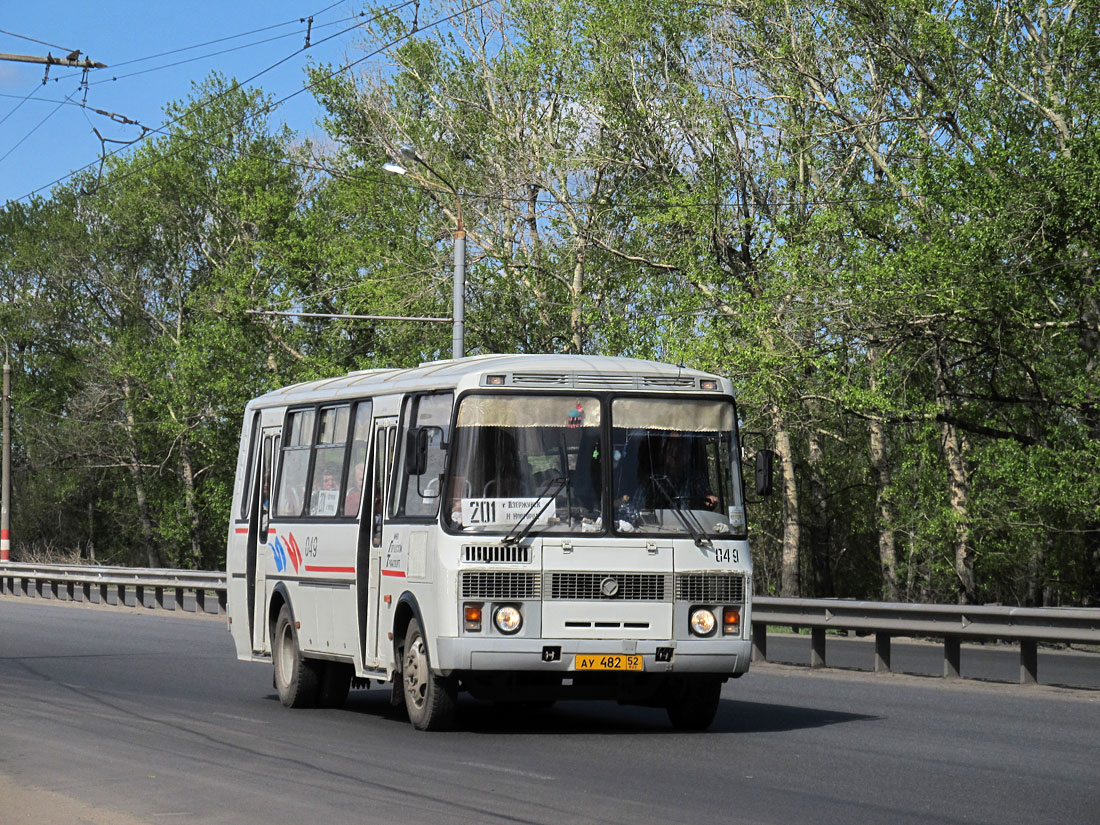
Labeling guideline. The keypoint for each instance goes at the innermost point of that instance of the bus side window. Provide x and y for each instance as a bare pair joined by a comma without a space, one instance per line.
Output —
420,493
265,486
328,461
294,466
384,439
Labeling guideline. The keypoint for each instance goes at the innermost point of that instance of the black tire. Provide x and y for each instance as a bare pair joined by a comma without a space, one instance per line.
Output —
431,700
335,684
694,703
296,679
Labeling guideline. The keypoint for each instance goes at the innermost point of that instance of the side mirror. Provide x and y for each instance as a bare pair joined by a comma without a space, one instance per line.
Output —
416,451
764,460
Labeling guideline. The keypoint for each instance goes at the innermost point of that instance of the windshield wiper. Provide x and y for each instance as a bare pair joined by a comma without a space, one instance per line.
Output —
687,518
522,531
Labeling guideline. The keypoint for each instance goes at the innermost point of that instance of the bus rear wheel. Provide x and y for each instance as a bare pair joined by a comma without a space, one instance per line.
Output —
296,679
694,703
335,683
430,700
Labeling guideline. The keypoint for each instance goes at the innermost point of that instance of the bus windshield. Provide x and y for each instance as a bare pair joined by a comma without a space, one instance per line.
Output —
675,467
526,459
538,463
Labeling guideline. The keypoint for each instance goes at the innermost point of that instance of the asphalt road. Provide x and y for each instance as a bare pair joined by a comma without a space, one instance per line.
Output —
134,717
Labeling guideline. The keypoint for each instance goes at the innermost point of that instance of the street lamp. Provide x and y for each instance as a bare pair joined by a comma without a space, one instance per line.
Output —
458,342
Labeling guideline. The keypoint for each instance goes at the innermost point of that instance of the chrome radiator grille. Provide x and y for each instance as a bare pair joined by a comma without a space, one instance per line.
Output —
500,585
499,553
710,588
651,587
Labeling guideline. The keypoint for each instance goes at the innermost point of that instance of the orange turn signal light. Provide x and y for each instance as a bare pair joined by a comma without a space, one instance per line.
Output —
471,614
731,621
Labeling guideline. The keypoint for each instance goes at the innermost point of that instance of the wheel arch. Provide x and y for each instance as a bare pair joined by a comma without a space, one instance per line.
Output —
279,596
408,608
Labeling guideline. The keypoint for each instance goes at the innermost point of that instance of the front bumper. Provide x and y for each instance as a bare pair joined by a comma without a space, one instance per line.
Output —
727,657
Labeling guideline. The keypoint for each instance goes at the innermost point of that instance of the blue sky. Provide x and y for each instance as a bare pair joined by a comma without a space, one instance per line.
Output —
42,140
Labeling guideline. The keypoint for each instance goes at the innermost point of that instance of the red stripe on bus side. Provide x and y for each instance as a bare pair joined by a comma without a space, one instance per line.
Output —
310,568
398,573
242,531
5,535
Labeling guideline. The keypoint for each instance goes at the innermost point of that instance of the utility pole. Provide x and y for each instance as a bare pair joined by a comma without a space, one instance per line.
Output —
5,464
458,295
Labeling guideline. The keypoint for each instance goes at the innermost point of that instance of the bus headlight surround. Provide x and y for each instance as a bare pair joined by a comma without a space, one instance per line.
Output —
702,621
508,619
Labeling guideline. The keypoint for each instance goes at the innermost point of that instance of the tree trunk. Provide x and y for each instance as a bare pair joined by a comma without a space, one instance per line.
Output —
819,521
958,482
191,501
1090,344
880,468
91,532
790,584
147,536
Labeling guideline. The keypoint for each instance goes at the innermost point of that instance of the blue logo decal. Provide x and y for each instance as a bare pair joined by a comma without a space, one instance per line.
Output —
280,555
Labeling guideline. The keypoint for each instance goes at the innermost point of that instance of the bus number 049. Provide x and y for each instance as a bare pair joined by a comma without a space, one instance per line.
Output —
725,555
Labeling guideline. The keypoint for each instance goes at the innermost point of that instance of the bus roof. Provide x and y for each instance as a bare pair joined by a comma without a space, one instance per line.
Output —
566,372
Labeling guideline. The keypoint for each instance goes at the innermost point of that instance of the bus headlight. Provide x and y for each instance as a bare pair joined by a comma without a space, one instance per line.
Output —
702,621
508,619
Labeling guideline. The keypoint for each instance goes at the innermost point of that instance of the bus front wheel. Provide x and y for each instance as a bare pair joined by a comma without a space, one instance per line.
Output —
296,679
431,700
694,703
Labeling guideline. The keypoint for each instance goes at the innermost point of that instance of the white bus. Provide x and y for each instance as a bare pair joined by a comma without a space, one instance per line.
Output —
520,527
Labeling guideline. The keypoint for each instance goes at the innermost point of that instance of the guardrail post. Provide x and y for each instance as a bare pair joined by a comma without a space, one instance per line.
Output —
952,647
759,642
1029,662
120,595
817,647
158,598
222,602
882,652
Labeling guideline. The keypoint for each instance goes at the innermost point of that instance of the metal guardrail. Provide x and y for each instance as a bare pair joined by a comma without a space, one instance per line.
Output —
118,586
953,623
166,589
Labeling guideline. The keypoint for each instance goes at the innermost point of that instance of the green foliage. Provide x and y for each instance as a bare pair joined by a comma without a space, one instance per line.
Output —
878,220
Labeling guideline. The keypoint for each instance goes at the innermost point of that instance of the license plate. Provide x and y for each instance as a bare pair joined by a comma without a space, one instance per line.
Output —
609,661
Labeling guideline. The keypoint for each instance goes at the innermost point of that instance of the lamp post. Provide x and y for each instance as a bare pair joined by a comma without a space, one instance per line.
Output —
5,462
458,299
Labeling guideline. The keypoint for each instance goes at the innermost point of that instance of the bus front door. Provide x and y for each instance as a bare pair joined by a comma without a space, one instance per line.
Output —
369,555
257,544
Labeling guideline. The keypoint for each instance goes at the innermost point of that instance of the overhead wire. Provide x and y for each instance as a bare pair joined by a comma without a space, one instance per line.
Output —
241,47
35,40
38,126
234,36
22,99
240,84
276,103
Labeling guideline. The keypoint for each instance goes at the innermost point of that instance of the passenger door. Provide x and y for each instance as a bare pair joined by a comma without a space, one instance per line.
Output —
257,539
369,557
